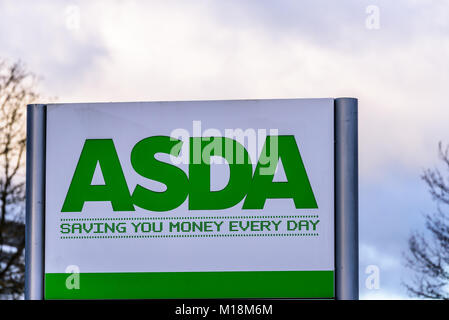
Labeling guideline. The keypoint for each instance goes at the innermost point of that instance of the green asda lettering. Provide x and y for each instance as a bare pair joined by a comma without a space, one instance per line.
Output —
255,187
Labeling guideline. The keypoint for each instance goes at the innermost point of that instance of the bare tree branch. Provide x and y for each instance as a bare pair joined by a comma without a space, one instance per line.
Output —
16,91
428,252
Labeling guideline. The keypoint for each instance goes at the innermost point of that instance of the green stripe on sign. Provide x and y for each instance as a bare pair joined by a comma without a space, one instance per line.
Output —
172,285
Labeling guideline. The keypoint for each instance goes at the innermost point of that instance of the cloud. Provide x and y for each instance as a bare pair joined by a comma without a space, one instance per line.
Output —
391,273
381,259
389,210
382,295
246,49
40,36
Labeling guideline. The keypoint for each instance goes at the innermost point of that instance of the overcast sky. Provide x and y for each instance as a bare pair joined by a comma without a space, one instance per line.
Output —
190,50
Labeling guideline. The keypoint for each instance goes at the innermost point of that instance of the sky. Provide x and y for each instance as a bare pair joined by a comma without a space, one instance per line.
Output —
391,55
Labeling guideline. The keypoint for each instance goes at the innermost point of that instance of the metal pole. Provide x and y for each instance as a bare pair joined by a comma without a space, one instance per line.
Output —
346,200
35,202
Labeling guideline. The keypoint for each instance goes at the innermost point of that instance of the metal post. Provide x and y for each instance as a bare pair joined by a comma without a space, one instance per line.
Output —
346,200
35,202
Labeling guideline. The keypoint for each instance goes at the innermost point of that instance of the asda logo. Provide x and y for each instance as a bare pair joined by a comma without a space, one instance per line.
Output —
254,187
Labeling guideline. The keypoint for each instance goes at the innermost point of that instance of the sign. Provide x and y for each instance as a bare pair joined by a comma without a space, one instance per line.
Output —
201,199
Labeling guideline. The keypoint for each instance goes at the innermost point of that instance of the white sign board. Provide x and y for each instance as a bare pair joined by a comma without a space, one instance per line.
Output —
207,199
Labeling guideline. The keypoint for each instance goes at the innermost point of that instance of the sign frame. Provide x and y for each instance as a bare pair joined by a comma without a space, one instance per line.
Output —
346,254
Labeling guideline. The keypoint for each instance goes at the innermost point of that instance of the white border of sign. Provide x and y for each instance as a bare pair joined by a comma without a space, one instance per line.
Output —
346,200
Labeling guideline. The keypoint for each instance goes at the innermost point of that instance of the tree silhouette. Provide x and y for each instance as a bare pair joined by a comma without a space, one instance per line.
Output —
16,91
428,252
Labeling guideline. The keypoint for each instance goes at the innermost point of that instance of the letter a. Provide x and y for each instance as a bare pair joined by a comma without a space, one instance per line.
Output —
115,190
